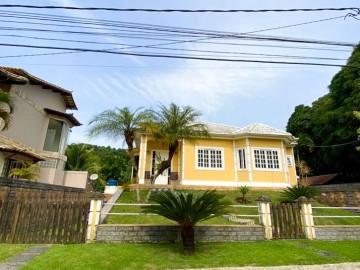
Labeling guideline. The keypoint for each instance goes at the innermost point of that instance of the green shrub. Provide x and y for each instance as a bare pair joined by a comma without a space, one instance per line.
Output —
291,194
243,190
98,184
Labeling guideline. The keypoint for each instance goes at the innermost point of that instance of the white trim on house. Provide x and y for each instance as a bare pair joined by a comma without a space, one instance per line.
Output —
284,161
183,160
279,160
242,166
235,161
221,149
248,159
218,183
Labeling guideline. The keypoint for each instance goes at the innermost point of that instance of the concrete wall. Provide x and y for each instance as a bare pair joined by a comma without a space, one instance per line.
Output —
77,179
9,187
337,232
156,234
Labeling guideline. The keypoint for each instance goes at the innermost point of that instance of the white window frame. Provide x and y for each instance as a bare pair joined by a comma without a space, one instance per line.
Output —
200,148
264,159
242,158
289,160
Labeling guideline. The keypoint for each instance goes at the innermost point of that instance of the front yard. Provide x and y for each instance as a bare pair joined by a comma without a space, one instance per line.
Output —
130,197
168,256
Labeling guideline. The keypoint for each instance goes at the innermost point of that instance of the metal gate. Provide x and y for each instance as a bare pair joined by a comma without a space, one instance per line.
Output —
286,221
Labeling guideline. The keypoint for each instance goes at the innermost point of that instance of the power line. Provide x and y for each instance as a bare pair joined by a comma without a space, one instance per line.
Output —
175,49
154,67
333,145
174,56
184,10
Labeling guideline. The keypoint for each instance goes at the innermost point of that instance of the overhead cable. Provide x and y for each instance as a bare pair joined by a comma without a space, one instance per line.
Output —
183,10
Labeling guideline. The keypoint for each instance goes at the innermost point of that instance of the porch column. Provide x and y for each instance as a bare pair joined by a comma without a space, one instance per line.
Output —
142,159
264,215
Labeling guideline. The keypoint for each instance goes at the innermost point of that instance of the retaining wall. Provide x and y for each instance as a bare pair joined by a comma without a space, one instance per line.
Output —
171,233
337,232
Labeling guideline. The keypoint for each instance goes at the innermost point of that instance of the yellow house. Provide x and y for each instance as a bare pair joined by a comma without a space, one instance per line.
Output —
256,155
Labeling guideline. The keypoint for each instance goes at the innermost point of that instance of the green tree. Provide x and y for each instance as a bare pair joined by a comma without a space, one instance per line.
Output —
357,115
119,123
5,109
172,124
78,157
187,209
327,129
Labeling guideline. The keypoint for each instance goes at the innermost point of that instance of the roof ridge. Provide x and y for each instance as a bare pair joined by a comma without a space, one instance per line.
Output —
223,125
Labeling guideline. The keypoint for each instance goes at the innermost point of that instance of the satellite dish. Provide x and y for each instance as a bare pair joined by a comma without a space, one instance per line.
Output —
94,177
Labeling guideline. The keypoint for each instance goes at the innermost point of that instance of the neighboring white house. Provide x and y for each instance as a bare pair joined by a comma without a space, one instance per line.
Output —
39,128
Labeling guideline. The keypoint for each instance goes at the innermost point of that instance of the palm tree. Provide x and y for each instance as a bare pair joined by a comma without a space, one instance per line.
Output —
78,157
170,125
119,123
28,171
187,209
5,109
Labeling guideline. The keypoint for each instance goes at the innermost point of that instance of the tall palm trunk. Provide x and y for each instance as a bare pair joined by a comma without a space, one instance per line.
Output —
188,239
129,138
166,163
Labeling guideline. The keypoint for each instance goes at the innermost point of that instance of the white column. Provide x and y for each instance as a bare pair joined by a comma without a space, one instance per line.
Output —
265,215
307,219
284,161
94,218
248,159
183,160
235,163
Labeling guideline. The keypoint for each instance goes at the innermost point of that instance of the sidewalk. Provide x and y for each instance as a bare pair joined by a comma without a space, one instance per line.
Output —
20,260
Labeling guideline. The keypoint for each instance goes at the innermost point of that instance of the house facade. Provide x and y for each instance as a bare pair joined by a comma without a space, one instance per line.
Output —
256,156
39,128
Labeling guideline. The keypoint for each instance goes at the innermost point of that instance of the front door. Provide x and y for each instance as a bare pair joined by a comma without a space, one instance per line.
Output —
157,157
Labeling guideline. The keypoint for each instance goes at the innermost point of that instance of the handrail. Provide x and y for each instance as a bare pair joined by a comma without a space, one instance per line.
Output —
335,207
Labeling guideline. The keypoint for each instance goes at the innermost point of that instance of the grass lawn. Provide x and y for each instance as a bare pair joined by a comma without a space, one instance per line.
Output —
275,196
7,251
168,256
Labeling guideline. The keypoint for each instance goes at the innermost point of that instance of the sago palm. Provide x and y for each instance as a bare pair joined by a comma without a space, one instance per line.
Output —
172,124
291,194
187,209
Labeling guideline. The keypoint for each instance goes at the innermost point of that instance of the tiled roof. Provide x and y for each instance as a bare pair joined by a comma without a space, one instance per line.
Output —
253,129
219,129
20,76
320,179
9,145
262,129
69,116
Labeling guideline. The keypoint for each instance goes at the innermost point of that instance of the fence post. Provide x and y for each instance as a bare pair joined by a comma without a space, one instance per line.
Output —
307,219
265,217
94,215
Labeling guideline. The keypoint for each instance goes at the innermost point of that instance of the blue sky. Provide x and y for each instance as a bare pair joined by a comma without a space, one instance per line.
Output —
225,92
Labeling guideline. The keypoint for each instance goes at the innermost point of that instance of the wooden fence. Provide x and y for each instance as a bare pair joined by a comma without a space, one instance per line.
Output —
40,222
286,221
